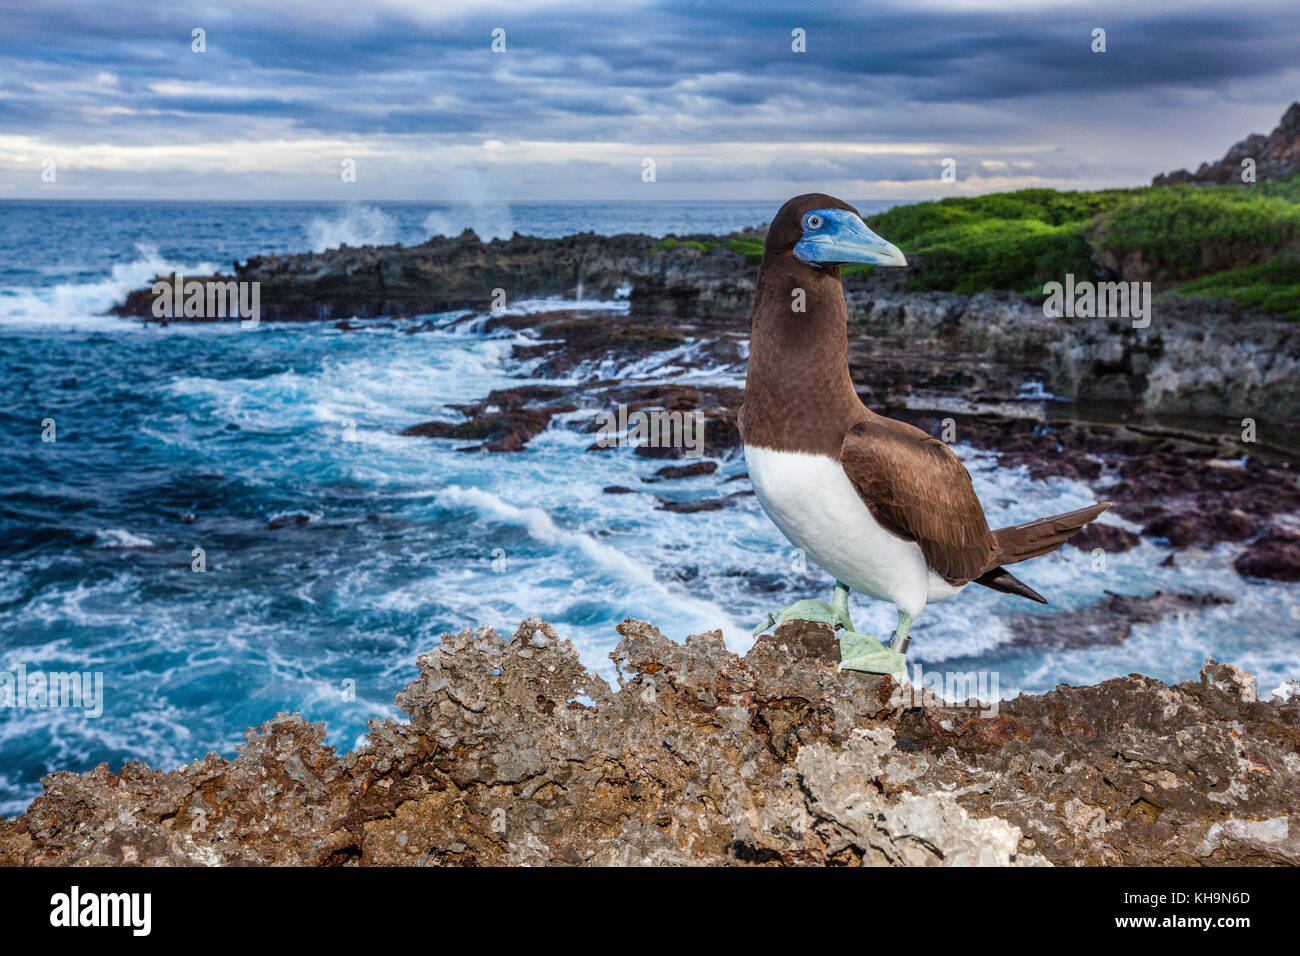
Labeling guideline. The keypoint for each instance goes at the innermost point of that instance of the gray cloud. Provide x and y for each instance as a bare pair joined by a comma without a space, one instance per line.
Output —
419,92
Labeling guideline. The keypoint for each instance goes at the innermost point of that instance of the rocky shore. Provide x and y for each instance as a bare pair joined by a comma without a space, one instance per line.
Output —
950,366
516,754
1195,357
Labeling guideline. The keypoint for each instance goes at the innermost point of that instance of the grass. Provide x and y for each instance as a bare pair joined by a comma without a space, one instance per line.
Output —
1220,242
1213,242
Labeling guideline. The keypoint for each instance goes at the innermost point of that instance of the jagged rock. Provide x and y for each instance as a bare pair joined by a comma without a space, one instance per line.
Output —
702,504
504,421
515,753
673,472
1275,155
1196,356
463,272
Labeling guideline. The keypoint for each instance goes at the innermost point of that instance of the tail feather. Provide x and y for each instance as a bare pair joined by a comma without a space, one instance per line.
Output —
1034,538
1000,579
1030,540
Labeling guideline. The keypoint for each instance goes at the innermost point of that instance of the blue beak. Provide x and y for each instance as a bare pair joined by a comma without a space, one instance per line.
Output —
833,237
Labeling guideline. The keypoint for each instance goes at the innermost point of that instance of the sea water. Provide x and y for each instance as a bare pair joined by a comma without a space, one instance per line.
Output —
334,550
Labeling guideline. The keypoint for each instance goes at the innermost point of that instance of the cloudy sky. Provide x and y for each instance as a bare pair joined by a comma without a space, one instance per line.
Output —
112,92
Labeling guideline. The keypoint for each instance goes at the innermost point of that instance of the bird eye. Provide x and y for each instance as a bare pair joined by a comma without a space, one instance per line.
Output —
813,221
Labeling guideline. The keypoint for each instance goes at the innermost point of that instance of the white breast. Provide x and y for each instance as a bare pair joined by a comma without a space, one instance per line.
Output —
812,501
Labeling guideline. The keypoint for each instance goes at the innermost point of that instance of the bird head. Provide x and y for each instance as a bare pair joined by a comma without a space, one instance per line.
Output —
823,231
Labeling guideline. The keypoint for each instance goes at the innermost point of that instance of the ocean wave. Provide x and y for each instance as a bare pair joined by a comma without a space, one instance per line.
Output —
121,538
488,220
353,226
84,304
615,566
558,304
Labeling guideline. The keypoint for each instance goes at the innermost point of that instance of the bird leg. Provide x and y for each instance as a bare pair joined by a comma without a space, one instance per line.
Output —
900,639
840,605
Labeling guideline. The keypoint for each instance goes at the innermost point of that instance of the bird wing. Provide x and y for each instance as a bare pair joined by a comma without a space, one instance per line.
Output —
917,489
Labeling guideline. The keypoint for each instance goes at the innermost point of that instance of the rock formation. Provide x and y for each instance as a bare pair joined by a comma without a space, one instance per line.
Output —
1275,155
515,753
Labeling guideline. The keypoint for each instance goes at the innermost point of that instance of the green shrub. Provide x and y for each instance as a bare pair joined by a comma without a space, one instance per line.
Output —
1184,232
1272,286
672,242
751,248
1225,242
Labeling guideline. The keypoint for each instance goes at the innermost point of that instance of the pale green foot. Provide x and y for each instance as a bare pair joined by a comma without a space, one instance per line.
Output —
835,614
862,652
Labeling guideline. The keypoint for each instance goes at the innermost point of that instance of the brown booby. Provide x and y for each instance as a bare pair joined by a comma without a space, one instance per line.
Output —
885,508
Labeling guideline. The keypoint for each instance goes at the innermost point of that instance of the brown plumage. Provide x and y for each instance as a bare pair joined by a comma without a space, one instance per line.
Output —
799,397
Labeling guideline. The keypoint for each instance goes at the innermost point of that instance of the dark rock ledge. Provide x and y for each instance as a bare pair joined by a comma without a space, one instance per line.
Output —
515,753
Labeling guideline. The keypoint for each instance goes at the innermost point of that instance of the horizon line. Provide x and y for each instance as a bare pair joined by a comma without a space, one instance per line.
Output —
444,202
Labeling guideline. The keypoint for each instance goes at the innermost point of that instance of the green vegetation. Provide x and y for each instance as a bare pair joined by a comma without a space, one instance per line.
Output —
1272,286
1181,232
1221,242
750,247
1015,241
1015,254
672,242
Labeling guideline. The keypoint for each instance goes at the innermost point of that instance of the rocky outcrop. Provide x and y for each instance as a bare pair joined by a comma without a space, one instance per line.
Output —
516,754
1274,554
444,274
1192,358
504,421
1275,155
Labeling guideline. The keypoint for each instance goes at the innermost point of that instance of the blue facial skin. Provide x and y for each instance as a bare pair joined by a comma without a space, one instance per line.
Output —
836,237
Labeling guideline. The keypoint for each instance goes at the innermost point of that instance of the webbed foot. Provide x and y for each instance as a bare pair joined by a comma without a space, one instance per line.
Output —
862,652
835,614
810,610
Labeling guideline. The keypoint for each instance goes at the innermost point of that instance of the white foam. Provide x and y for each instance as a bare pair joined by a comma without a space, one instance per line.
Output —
560,304
629,576
82,305
1284,691
121,538
488,221
353,226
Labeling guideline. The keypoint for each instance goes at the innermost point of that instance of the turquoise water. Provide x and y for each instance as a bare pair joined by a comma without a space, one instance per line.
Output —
168,440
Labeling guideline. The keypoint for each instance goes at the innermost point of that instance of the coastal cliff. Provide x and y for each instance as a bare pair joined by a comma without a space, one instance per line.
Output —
516,754
1275,155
